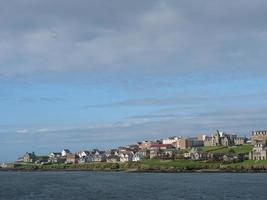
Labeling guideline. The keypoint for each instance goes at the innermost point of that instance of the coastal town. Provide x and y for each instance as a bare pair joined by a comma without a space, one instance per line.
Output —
218,147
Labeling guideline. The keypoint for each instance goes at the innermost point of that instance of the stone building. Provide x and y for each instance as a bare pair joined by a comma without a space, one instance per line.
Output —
220,139
72,158
258,136
227,139
28,157
146,144
156,150
259,152
240,140
213,140
185,143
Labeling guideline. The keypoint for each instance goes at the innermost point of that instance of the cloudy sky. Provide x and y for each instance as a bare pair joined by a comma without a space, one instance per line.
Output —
86,74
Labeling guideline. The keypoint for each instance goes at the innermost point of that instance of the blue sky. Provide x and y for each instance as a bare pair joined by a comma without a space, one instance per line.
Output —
87,74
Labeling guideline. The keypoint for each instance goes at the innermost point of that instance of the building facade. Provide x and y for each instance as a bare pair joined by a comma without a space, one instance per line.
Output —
259,152
258,136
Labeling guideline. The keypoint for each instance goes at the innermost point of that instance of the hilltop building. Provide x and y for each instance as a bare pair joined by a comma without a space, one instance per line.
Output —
259,152
222,139
259,136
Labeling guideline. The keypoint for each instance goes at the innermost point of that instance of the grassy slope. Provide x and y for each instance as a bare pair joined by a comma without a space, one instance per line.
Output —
189,164
222,149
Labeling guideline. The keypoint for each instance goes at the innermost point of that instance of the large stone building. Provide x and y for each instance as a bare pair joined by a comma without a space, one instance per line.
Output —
146,144
259,136
185,143
213,140
259,152
156,150
220,139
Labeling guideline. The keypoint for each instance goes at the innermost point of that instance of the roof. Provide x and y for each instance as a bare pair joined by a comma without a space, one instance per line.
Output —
161,145
56,153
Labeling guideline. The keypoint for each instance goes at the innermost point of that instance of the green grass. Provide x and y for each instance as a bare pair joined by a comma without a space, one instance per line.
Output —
247,164
195,165
152,165
178,164
246,148
98,166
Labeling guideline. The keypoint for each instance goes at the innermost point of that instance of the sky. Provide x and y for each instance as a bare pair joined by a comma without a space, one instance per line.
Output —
100,74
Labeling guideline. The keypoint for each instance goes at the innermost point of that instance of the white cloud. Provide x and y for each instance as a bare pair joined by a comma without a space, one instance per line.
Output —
22,131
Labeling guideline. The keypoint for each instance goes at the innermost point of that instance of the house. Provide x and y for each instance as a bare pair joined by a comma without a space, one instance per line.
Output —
157,149
28,157
72,158
113,159
82,153
85,159
145,153
133,147
170,140
42,160
55,157
111,152
240,140
187,155
98,156
54,154
168,154
259,152
138,156
84,156
195,154
126,156
146,144
64,152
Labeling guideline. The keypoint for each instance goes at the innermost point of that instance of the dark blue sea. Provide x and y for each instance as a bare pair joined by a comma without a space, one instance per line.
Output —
119,185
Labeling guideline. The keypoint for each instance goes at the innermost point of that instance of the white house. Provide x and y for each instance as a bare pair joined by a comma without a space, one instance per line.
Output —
138,156
54,155
64,152
98,156
126,156
170,140
83,153
86,159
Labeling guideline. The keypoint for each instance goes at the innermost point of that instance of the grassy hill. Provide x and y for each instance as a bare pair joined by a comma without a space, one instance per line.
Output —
246,148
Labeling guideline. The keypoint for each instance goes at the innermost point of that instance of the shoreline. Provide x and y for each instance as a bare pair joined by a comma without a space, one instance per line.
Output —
138,171
148,166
